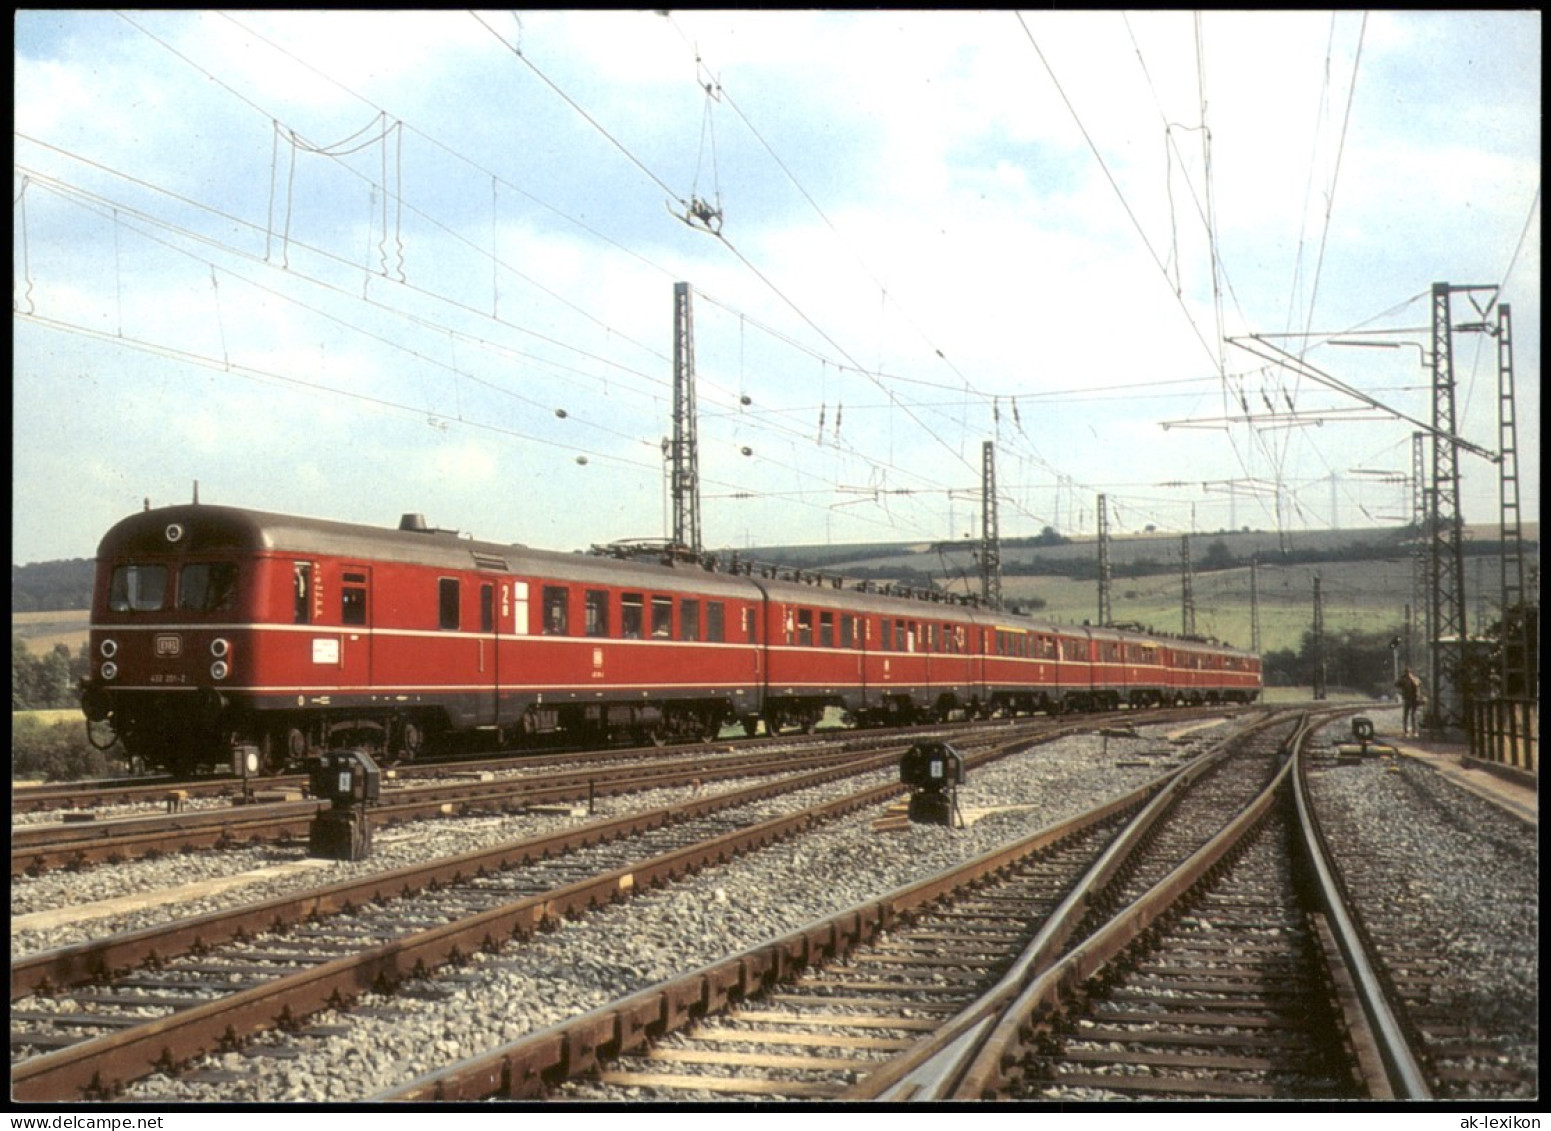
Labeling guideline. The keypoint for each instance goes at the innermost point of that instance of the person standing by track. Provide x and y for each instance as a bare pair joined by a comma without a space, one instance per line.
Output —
1410,688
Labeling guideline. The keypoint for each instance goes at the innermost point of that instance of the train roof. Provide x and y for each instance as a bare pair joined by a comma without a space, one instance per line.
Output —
205,529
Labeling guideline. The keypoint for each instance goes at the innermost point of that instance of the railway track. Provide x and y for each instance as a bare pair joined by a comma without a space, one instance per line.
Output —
148,795
38,848
465,788
1430,950
1224,980
859,1006
822,1012
229,985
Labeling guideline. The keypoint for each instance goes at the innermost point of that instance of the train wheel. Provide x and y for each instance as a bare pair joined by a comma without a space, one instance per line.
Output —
750,725
272,753
413,740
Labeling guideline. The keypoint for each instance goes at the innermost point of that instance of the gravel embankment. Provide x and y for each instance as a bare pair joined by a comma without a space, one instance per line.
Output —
658,934
1460,868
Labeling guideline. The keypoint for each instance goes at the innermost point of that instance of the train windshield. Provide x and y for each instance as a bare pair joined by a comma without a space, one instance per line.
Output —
207,587
137,588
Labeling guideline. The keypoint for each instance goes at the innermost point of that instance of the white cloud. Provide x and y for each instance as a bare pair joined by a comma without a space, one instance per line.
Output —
934,142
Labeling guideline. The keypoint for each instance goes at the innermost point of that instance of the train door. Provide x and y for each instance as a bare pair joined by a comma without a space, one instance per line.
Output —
355,620
493,620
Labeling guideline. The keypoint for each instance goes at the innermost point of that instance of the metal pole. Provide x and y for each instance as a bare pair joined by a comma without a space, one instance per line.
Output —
685,471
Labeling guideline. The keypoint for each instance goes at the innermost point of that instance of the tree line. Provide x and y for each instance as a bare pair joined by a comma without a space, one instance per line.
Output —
51,586
46,682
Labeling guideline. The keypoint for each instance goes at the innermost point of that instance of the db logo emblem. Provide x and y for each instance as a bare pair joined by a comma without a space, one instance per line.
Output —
169,646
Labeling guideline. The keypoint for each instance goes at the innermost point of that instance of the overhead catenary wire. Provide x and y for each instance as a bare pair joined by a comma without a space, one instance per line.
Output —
517,51
768,409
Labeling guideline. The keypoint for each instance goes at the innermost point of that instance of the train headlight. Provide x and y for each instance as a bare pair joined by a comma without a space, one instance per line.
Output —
219,647
219,669
109,670
108,648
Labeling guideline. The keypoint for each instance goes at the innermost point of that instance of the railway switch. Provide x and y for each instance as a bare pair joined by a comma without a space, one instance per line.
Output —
933,771
350,781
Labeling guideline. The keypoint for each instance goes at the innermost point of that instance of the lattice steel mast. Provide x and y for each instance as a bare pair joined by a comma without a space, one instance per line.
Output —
1106,614
1516,676
1187,588
1446,533
990,540
1421,515
1319,641
683,458
1254,603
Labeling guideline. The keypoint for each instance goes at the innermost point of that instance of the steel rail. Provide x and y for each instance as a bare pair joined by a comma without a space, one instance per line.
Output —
522,1069
1406,1078
76,796
982,1075
34,850
930,1070
102,1065
99,958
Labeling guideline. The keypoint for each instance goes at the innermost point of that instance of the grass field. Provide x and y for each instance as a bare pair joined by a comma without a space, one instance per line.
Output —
41,631
48,718
1362,596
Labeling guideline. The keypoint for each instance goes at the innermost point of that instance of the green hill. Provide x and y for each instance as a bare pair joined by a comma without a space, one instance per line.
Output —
1365,577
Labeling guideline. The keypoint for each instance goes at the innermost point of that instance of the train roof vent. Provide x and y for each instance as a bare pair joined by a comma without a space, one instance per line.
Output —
489,561
414,522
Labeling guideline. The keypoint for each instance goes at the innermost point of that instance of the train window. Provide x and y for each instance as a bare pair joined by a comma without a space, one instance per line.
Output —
597,611
827,630
805,628
557,610
487,608
519,608
749,629
847,630
207,587
447,601
632,619
888,635
137,589
689,619
352,601
301,582
662,617
715,621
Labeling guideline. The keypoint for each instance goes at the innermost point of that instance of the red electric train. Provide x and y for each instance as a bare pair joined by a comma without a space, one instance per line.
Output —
216,627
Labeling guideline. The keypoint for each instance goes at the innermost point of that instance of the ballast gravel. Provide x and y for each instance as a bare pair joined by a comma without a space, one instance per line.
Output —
1465,875
386,1041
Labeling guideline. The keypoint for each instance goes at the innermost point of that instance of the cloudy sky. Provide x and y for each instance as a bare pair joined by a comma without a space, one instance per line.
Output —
350,265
